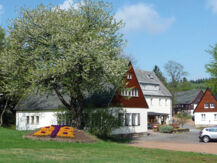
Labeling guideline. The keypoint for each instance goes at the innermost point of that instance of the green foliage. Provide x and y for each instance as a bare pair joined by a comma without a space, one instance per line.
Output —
100,122
200,84
182,118
184,85
64,117
166,129
74,52
159,74
12,83
2,39
212,69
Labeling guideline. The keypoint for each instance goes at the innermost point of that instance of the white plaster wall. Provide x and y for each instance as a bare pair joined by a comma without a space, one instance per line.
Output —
46,118
164,106
134,129
208,121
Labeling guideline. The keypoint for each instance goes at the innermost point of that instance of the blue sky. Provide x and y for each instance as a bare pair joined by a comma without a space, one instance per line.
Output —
157,30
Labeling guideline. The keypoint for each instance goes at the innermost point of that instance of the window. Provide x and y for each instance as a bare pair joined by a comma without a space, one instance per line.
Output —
203,117
131,119
150,76
37,120
159,101
137,93
206,105
128,119
129,76
27,120
32,122
215,117
212,105
133,93
135,119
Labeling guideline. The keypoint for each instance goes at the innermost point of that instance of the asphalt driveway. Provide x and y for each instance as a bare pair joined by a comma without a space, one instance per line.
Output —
188,141
187,137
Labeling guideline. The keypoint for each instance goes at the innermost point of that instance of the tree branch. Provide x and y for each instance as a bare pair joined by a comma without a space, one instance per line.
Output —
61,98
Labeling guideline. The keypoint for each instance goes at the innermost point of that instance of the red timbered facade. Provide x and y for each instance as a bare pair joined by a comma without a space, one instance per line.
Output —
132,96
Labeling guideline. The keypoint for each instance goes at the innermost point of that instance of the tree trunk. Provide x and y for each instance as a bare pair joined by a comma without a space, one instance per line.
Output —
75,106
2,114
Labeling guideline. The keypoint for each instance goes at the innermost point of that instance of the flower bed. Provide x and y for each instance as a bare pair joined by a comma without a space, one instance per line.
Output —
56,130
66,131
44,131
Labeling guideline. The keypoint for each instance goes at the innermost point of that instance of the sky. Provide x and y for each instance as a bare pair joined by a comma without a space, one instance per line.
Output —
156,31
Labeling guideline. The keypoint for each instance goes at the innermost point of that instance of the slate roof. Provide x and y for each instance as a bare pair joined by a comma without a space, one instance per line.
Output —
40,102
52,102
186,97
149,77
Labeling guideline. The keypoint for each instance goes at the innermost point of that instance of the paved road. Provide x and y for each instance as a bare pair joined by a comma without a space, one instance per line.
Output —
187,137
179,142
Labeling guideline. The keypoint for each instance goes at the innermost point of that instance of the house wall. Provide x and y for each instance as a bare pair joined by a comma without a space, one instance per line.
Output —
160,105
209,120
134,129
46,118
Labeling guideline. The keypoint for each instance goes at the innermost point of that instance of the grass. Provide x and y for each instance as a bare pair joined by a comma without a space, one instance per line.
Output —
15,149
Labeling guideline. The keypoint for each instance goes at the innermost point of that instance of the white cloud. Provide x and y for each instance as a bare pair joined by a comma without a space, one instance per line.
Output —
69,3
66,4
212,4
143,17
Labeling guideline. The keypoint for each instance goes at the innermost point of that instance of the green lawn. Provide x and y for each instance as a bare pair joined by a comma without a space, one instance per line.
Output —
15,149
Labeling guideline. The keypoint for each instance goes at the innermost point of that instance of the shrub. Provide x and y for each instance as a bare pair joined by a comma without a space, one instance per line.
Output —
166,129
101,122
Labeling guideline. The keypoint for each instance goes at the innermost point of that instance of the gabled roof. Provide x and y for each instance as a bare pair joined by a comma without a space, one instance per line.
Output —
209,98
130,102
149,77
186,97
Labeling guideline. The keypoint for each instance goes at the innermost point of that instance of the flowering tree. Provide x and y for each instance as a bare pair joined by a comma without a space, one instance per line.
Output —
74,52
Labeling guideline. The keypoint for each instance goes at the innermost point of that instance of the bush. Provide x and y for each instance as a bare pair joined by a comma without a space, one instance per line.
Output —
166,129
101,122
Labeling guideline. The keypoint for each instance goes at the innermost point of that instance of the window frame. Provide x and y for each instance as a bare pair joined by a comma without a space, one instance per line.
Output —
32,119
212,105
129,76
37,120
27,120
206,105
203,117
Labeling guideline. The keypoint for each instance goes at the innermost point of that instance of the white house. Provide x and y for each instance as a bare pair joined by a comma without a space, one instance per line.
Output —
158,97
187,101
205,114
41,110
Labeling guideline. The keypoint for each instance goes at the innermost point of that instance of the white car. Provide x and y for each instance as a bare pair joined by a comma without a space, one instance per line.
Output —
208,134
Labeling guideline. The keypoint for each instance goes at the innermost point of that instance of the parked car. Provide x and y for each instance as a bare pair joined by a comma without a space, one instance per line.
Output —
208,134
